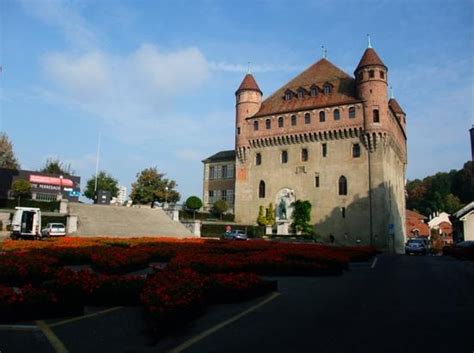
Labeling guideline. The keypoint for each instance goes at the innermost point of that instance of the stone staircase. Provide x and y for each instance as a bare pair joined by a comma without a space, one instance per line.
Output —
105,220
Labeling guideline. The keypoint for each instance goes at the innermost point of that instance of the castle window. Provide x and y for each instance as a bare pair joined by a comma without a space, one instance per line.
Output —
293,120
342,185
327,89
356,150
284,156
255,125
224,195
371,73
261,189
211,196
352,113
316,181
361,76
268,124
307,118
280,121
212,172
322,116
324,149
258,159
238,131
376,116
224,171
343,212
382,74
337,115
314,91
301,93
304,154
288,96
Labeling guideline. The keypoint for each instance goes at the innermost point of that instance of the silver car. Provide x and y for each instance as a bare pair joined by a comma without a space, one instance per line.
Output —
54,230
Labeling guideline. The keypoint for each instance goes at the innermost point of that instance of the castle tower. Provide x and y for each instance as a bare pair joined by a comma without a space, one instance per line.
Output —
371,85
248,99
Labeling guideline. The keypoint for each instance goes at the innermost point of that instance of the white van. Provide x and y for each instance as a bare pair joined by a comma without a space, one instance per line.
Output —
26,223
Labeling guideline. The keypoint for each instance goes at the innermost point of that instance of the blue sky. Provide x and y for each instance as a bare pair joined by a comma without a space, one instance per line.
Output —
157,78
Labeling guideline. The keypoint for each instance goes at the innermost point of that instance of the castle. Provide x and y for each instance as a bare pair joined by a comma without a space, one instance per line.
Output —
335,140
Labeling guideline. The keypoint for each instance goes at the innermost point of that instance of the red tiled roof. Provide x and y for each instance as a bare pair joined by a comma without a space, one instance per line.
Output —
413,214
248,83
370,57
322,72
393,104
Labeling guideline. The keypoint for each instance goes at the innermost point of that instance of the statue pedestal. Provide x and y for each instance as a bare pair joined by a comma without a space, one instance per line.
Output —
282,227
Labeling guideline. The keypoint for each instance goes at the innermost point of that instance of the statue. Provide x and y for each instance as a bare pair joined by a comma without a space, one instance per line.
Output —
282,209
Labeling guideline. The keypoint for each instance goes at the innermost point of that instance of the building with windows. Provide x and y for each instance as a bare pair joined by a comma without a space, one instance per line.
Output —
219,179
122,196
333,139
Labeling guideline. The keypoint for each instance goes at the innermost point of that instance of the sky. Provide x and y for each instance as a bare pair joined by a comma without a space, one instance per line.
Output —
156,79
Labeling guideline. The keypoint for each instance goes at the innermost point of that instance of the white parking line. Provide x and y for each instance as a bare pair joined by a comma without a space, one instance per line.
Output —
374,262
52,338
210,331
59,323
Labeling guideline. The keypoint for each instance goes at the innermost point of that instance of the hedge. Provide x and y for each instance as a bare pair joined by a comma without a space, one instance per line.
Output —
46,206
216,230
203,216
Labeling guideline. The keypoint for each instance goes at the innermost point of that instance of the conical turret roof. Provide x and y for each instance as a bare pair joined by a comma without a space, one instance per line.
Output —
393,104
249,84
370,57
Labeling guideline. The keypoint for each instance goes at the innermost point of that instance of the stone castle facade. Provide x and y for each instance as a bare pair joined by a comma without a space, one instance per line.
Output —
335,140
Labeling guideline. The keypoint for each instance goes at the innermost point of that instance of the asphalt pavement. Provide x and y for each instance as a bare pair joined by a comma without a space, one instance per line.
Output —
401,304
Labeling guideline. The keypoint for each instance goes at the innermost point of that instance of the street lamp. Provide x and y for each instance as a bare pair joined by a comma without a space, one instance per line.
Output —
166,195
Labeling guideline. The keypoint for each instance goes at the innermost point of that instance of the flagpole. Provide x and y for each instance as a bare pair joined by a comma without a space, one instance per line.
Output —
97,166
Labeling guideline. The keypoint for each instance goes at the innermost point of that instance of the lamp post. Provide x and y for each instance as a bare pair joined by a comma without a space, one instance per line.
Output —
166,195
61,187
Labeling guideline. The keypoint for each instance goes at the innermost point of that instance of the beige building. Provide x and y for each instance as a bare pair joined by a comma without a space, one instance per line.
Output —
332,139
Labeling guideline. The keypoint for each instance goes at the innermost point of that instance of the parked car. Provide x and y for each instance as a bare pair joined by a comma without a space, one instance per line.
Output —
54,230
416,246
235,235
462,250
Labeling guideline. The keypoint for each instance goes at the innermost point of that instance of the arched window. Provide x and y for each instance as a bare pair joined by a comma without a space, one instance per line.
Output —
371,73
342,185
307,118
258,159
322,116
337,115
314,91
356,150
304,154
268,124
293,120
376,116
284,156
261,189
255,125
352,113
280,121
327,89
382,74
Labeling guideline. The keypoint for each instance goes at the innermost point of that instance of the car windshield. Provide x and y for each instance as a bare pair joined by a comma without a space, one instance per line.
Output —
415,241
57,226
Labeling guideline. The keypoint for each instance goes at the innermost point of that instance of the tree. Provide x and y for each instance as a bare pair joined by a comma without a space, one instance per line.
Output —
151,186
261,219
7,157
194,203
55,166
452,204
21,188
302,216
271,219
105,182
220,207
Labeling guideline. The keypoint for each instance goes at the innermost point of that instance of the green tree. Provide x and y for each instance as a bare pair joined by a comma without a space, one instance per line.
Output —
220,207
21,188
55,166
271,219
302,216
151,186
105,182
261,219
463,183
452,204
7,157
194,203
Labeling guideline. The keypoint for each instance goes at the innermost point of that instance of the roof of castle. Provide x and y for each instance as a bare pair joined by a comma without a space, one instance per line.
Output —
370,57
249,84
221,156
320,73
393,104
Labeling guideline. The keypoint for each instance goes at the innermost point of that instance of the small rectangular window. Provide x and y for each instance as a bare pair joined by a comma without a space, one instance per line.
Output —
356,150
284,156
343,212
224,195
316,181
212,172
224,171
324,148
238,131
304,154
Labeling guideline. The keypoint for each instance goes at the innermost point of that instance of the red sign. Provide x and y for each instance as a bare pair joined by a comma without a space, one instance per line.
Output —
40,179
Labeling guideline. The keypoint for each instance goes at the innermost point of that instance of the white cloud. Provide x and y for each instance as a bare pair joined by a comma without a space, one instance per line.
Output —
228,67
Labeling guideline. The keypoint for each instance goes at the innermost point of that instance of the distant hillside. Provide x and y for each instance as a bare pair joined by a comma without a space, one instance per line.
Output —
442,192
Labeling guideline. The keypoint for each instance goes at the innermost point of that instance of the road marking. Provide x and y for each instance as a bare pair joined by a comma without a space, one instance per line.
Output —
374,262
18,328
210,331
63,322
52,338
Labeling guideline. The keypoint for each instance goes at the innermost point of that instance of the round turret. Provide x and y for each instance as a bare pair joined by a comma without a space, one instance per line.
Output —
248,99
